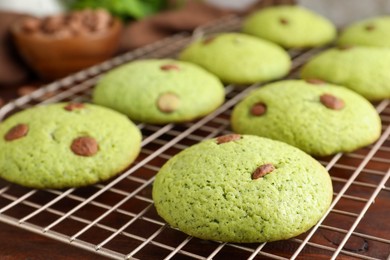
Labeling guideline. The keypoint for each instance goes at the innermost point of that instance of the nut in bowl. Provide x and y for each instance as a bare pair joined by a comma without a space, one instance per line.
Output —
57,46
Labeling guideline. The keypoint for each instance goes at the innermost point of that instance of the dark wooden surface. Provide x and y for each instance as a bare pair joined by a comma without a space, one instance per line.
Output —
16,243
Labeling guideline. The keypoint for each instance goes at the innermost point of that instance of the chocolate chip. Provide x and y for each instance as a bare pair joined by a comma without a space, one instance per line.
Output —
74,106
170,67
369,27
315,81
262,170
332,102
258,109
168,102
228,138
16,132
84,146
208,39
283,21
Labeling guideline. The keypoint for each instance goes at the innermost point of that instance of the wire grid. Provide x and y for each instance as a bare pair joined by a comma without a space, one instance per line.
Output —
117,219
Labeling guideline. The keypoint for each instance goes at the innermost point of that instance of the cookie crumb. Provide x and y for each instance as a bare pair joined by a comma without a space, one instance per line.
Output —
85,146
332,102
258,109
228,138
16,132
263,170
168,102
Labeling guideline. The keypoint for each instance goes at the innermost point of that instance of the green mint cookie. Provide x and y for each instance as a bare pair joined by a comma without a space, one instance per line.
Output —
290,26
239,58
66,145
160,91
242,189
370,32
364,70
318,118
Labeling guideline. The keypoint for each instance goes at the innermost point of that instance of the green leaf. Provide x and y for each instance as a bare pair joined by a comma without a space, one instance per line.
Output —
124,9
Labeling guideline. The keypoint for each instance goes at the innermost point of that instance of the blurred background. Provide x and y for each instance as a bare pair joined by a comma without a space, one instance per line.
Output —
144,22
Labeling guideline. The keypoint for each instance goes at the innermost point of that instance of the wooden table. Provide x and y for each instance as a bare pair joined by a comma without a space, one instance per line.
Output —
16,243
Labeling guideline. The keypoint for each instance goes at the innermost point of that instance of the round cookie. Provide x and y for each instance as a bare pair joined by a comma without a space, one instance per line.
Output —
242,189
359,68
318,118
66,145
370,32
160,91
239,58
290,26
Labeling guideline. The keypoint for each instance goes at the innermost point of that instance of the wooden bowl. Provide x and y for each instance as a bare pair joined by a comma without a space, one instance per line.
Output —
53,58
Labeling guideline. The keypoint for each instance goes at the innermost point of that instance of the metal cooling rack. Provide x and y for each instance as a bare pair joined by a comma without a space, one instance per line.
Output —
117,219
